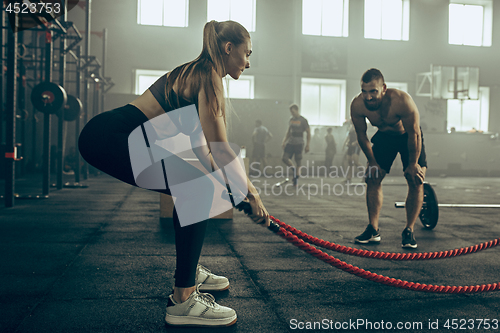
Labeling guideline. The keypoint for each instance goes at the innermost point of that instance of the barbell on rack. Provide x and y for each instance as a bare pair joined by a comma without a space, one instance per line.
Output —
48,97
51,98
73,108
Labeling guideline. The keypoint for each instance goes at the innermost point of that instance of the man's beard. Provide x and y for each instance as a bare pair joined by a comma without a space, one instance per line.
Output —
373,106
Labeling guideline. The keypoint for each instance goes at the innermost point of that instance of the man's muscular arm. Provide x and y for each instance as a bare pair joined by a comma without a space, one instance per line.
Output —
359,122
411,123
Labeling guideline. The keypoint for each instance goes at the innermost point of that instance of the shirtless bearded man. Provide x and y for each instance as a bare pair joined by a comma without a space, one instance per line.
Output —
395,115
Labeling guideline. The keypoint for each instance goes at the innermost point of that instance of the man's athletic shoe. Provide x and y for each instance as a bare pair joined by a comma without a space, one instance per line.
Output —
408,239
370,235
200,309
295,181
210,281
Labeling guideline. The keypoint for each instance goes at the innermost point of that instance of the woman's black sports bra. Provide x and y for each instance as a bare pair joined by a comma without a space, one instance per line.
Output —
158,91
184,122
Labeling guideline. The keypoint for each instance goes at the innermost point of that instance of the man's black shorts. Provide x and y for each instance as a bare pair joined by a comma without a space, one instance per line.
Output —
294,149
387,146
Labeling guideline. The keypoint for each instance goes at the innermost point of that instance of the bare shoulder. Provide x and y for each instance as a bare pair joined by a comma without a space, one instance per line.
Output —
357,105
402,101
399,96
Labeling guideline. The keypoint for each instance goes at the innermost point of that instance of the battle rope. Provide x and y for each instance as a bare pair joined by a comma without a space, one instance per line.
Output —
275,227
386,255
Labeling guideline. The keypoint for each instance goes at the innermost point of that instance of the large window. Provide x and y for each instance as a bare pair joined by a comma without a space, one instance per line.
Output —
470,22
241,11
325,17
387,19
144,78
466,115
172,13
241,88
323,101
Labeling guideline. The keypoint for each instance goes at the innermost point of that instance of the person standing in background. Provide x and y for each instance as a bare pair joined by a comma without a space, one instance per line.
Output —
260,137
293,143
351,156
331,149
316,142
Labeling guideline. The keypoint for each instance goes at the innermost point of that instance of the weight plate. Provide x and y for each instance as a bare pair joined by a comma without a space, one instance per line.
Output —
72,109
48,97
429,214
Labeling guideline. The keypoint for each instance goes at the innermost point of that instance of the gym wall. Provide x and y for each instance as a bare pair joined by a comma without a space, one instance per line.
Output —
281,52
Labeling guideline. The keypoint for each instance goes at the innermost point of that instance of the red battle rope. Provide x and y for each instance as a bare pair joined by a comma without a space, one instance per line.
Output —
386,255
278,228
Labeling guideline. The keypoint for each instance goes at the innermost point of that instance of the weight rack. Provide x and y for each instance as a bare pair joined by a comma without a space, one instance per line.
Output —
33,65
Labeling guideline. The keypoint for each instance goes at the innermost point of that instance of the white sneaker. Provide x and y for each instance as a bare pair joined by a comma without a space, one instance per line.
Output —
200,309
210,281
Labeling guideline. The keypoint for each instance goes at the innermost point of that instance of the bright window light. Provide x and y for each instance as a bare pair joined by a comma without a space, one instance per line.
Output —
392,19
470,22
466,115
398,85
373,19
310,100
171,13
175,13
325,18
144,78
149,12
241,11
241,88
323,101
387,19
467,25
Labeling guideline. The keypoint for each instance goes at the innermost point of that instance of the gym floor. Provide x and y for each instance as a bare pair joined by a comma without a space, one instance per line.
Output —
99,259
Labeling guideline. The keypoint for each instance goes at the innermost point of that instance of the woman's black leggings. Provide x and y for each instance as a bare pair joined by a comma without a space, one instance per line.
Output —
103,143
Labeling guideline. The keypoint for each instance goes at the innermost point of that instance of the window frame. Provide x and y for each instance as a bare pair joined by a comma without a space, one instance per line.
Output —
487,24
159,73
484,111
344,18
145,72
253,18
342,99
405,22
403,86
186,22
227,86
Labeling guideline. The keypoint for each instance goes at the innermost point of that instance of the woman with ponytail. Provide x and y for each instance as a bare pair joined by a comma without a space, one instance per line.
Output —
108,142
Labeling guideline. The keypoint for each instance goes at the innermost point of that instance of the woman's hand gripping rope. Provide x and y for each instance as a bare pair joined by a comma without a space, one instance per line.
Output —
253,207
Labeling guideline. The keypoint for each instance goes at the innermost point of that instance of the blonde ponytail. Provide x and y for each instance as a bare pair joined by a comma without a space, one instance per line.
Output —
211,46
215,36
